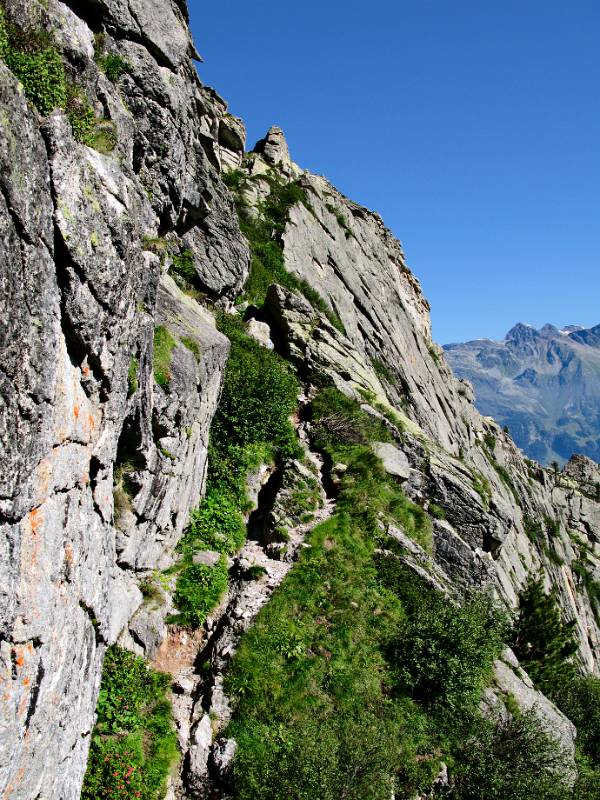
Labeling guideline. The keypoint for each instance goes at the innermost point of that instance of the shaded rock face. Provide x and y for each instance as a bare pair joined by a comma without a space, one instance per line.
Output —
544,384
82,289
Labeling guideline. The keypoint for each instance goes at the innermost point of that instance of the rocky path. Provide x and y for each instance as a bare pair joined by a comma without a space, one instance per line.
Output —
198,660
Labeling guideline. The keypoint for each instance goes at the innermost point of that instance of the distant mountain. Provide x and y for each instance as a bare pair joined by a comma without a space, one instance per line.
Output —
543,384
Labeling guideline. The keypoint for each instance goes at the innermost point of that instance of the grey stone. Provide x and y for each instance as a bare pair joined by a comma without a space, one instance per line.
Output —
394,460
207,558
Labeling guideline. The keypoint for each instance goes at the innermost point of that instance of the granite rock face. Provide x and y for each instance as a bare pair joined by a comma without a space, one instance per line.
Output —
110,373
85,240
483,493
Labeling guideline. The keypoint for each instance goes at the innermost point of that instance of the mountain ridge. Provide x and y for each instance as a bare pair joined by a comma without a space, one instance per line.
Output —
544,384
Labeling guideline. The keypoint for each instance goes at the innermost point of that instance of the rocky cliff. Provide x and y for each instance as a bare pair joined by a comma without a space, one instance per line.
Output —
120,244
543,384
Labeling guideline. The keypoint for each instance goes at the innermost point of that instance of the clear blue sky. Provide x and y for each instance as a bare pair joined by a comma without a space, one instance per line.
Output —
472,127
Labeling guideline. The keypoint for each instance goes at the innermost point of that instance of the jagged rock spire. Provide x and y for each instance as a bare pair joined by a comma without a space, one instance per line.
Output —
274,148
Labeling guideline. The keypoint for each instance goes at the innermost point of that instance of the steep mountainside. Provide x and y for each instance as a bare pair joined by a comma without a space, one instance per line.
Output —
545,385
218,384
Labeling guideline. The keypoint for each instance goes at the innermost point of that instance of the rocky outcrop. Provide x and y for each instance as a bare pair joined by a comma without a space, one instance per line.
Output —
86,236
110,372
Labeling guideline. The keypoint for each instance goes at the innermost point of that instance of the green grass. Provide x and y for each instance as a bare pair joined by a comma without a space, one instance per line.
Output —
164,344
264,231
132,377
251,426
357,678
192,345
134,745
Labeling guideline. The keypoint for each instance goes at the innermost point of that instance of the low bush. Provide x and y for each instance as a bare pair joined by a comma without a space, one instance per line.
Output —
510,759
134,744
198,590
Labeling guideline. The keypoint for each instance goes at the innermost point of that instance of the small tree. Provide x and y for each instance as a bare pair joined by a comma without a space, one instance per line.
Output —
543,643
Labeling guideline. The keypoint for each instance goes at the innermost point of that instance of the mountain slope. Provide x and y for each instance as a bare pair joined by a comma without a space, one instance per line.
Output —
217,382
543,384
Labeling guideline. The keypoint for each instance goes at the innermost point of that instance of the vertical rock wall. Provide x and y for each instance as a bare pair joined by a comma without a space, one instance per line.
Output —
85,240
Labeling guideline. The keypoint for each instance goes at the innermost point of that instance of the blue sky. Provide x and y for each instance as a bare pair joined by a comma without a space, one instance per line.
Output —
472,127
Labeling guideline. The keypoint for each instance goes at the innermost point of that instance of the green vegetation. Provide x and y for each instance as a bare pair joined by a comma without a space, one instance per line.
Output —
546,648
134,744
251,426
164,343
435,356
490,442
199,589
482,487
264,231
33,57
382,371
192,345
544,645
357,678
341,219
184,267
582,567
111,64
132,377
497,759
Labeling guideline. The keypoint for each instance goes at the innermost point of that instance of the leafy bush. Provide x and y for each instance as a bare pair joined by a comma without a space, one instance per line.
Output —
579,699
184,266
216,525
40,69
260,392
512,760
134,744
35,60
164,343
198,590
444,653
113,66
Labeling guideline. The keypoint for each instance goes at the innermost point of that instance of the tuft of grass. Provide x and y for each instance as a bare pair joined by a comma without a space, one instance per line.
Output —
132,377
164,344
193,346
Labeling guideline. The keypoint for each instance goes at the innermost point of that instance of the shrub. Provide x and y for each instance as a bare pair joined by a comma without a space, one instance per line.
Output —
184,266
198,590
259,394
216,525
134,743
444,653
40,69
164,343
579,699
113,66
511,759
